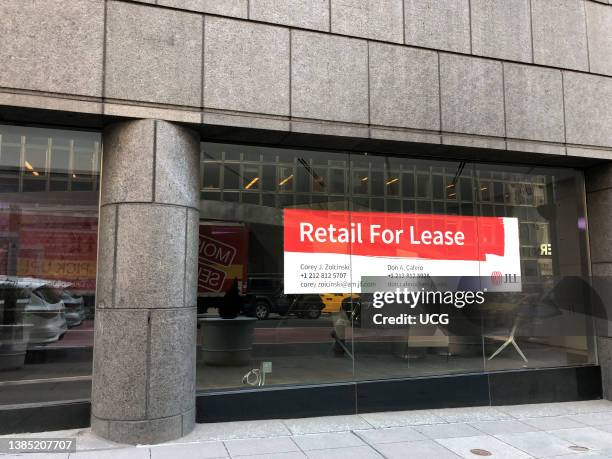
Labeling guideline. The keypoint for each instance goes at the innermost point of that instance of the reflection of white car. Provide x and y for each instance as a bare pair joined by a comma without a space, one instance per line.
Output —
75,308
45,313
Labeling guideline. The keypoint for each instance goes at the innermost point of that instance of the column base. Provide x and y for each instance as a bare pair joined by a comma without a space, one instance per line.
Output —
146,432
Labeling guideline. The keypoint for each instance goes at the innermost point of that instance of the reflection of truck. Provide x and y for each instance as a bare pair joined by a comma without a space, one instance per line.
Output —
265,295
223,257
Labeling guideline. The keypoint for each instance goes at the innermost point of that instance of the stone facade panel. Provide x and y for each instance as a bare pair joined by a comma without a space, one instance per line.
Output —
559,34
426,18
329,77
234,8
127,144
105,273
375,19
404,87
151,237
471,95
177,165
599,206
501,29
52,46
246,67
306,14
173,362
120,364
588,99
598,178
191,257
153,54
604,352
599,29
534,103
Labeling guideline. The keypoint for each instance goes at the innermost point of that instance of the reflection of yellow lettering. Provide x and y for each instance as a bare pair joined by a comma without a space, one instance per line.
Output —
57,269
545,249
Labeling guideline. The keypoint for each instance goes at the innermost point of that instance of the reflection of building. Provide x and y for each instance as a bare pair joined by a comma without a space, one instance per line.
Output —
242,177
140,120
50,183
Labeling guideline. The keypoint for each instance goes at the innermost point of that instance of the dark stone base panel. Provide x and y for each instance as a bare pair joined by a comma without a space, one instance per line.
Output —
43,417
422,393
276,402
546,385
508,387
505,388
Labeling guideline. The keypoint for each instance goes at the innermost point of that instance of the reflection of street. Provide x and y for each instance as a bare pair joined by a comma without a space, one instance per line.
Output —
79,336
301,351
274,330
277,322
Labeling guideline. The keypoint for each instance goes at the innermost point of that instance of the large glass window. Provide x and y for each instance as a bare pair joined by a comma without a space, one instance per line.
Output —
317,337
49,185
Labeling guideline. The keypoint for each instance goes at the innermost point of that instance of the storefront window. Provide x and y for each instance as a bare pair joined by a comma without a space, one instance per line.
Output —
316,336
49,186
286,334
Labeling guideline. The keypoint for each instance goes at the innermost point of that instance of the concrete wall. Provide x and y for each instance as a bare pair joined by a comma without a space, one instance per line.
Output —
599,207
521,75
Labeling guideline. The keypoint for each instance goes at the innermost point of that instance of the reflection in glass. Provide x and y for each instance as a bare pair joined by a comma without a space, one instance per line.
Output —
314,338
361,182
48,247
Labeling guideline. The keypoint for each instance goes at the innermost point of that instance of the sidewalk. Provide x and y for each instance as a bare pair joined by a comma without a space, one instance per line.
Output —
569,430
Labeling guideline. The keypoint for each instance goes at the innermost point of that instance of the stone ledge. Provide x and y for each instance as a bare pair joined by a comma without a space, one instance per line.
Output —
586,152
110,111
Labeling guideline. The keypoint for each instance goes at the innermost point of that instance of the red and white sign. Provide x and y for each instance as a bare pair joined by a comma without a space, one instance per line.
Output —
222,256
330,251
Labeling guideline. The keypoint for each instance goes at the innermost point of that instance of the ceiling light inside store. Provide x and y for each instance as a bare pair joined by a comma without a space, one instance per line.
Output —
251,183
284,181
28,166
392,181
364,179
34,173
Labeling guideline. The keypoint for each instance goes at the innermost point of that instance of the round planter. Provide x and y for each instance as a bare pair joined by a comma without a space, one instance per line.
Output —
227,342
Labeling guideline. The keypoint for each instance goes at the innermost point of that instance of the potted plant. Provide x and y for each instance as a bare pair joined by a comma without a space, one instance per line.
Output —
227,340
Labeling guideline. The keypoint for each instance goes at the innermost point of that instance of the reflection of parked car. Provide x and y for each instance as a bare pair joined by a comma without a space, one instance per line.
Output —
264,296
46,314
307,306
75,309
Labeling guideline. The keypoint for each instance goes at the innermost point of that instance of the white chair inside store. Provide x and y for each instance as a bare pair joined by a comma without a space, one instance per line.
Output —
532,307
510,341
